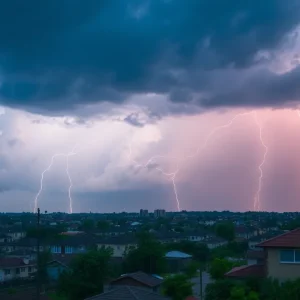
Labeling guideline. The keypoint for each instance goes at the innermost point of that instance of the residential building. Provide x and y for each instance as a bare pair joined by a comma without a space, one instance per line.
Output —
279,259
119,245
177,260
144,213
159,213
14,268
283,255
129,293
138,279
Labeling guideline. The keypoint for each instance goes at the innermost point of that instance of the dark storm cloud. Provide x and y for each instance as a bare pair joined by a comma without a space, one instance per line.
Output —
60,53
262,89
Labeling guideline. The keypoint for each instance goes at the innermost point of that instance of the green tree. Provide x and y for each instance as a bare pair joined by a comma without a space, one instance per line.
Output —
219,290
87,225
177,287
191,269
86,275
103,225
44,258
219,267
148,256
237,293
225,230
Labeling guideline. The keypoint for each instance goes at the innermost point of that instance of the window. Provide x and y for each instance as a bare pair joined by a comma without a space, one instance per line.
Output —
29,269
22,270
68,249
56,249
17,271
290,256
7,271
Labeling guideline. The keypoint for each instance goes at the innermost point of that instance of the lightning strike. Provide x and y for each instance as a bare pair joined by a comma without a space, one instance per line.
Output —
172,175
257,206
70,180
48,169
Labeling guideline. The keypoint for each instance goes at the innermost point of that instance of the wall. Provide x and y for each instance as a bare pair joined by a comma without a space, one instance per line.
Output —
281,271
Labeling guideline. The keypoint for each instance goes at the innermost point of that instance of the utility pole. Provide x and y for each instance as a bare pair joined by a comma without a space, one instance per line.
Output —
38,285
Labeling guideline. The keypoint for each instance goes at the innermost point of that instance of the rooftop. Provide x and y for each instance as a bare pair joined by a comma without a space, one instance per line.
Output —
177,254
128,293
290,239
246,271
148,280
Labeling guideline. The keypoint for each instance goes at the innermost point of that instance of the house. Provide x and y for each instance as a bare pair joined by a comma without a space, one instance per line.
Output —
4,238
119,245
255,257
58,264
14,268
129,293
16,233
280,259
138,279
177,260
72,244
245,232
215,242
283,255
246,271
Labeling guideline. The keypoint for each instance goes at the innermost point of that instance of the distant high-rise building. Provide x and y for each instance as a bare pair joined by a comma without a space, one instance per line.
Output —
159,213
144,213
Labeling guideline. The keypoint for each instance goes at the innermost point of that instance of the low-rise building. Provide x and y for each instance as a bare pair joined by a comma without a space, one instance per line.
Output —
14,268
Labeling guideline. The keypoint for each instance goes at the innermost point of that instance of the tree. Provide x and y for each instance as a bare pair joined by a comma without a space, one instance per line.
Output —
219,267
219,290
148,256
225,230
237,293
191,269
44,258
87,225
177,287
86,275
103,225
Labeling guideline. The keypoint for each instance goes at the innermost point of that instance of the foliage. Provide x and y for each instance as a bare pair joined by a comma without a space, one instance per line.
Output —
103,225
177,287
45,233
219,290
225,230
237,293
86,275
219,267
191,269
232,249
87,225
44,258
148,256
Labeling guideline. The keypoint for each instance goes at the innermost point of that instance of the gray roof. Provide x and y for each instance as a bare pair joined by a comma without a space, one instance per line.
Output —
149,280
177,254
128,293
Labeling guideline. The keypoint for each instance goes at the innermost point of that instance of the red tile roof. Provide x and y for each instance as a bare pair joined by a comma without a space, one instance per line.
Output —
246,271
289,239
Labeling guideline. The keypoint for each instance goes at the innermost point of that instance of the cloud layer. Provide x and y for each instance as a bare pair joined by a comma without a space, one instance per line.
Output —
58,55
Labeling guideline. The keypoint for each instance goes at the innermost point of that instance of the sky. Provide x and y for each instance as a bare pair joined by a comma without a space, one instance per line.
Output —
168,104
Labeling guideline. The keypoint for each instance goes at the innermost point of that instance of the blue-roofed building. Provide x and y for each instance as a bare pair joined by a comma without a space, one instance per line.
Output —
177,260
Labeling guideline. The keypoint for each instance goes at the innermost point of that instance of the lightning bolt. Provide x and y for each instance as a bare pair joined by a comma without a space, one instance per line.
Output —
260,167
48,169
70,180
172,175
